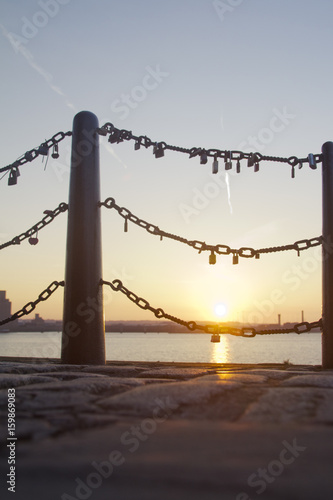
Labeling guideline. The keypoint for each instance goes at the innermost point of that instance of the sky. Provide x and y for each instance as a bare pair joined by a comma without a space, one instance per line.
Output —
250,75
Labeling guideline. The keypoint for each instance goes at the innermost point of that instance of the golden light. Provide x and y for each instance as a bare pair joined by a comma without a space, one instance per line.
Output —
220,309
220,352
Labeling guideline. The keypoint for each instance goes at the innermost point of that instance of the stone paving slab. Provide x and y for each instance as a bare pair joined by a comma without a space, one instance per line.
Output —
181,431
181,460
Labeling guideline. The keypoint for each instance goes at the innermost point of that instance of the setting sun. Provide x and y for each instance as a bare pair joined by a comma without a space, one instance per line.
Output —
220,309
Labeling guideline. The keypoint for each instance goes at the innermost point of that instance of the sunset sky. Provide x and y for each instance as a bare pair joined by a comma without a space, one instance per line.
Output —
254,75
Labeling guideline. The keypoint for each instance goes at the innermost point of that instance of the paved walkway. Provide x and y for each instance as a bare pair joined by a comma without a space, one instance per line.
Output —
158,431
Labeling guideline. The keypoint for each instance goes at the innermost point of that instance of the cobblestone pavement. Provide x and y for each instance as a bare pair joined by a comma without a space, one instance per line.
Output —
162,431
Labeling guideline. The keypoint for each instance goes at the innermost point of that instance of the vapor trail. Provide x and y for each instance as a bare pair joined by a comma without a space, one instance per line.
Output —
228,190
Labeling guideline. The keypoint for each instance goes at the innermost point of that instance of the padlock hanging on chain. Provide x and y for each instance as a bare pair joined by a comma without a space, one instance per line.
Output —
43,150
238,166
235,258
227,161
215,167
312,161
33,240
126,225
212,258
12,179
28,156
137,145
158,150
114,136
55,152
203,158
251,160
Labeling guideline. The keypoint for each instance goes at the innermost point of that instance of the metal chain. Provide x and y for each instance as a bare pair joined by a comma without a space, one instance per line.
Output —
32,154
30,306
201,246
117,135
49,217
299,328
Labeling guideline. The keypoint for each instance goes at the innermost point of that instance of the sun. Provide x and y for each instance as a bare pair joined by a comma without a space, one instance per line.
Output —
220,309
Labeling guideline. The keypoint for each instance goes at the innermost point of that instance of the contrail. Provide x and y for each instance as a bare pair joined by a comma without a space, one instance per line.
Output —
18,47
226,175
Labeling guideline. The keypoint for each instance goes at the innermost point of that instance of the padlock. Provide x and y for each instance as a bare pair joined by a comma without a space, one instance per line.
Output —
312,161
293,171
158,150
126,225
256,167
215,168
102,131
33,241
203,158
137,145
227,161
238,166
43,150
235,258
114,136
212,258
12,179
250,161
55,152
28,156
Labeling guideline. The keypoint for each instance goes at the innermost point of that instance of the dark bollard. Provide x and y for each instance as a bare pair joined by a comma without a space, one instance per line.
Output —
327,178
83,338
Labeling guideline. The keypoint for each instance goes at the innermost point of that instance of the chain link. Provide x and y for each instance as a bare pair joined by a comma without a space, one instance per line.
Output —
249,332
49,217
30,306
117,135
201,246
34,153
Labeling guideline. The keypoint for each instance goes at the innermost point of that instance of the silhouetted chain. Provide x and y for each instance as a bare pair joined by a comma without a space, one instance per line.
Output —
201,246
49,217
30,306
117,135
299,328
32,154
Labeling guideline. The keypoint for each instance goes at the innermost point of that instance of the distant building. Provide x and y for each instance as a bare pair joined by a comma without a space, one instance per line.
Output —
5,306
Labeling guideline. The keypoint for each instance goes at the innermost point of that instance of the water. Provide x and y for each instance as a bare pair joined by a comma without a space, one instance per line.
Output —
298,349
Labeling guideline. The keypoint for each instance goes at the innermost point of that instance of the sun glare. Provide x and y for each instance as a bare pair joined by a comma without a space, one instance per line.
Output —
220,309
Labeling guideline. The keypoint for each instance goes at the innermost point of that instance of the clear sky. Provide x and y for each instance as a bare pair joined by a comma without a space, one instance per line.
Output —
254,75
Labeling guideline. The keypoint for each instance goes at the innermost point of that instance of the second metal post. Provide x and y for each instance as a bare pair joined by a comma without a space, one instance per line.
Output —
327,179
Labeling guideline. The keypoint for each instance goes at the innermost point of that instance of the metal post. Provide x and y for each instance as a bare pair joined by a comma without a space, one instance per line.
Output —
83,339
327,178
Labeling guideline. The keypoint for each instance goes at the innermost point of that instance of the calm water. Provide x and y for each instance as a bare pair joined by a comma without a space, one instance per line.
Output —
298,349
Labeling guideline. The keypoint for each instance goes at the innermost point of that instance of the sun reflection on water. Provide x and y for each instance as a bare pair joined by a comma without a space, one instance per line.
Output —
220,351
